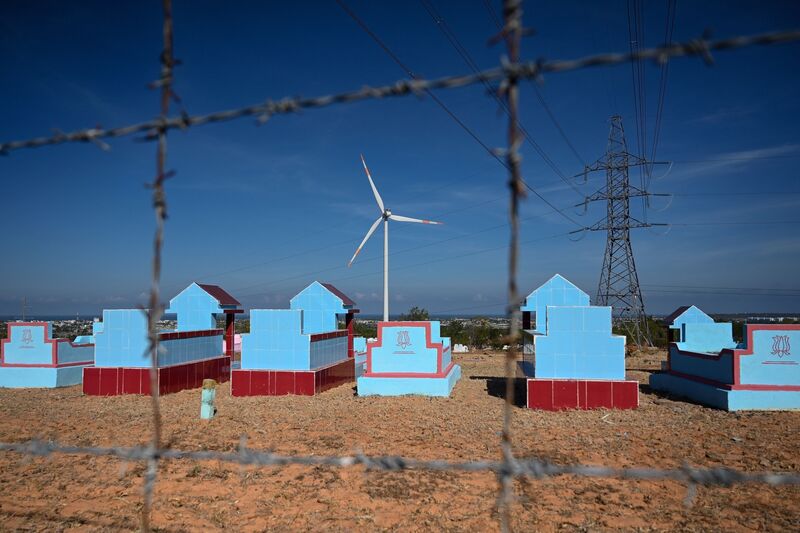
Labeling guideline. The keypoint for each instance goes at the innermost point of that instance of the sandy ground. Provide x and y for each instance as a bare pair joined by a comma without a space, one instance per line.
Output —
75,492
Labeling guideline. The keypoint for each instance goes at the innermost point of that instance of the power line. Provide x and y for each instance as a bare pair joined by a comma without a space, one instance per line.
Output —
746,193
541,99
447,110
753,223
721,159
702,287
635,37
467,57
720,293
669,28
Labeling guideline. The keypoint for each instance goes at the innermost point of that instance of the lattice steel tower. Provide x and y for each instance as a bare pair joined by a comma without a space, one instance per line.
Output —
619,282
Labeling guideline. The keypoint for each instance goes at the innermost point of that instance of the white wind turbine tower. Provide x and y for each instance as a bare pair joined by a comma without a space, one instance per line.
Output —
386,216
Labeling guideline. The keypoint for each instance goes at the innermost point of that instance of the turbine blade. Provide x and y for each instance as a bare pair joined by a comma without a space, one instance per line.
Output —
369,234
401,218
372,184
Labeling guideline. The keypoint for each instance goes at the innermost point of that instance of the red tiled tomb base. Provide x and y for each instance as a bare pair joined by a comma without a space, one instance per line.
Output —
561,394
299,382
105,381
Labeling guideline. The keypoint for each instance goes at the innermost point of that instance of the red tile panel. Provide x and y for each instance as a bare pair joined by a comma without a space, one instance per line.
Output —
283,382
91,381
540,394
144,379
259,383
582,395
599,394
626,394
240,383
304,383
565,394
131,381
108,382
555,394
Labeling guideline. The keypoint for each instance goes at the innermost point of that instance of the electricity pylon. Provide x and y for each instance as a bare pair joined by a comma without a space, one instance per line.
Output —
619,282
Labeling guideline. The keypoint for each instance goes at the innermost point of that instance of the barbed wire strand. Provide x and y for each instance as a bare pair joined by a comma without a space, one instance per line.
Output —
155,311
512,35
533,467
699,47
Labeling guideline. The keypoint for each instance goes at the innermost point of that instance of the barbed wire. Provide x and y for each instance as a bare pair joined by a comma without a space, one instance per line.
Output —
533,467
511,33
156,307
699,47
508,73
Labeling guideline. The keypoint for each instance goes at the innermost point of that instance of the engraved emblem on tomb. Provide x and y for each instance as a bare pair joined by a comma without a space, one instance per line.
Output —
780,345
403,340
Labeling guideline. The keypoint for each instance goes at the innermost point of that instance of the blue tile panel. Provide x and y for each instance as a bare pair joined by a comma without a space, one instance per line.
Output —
707,338
377,386
121,341
730,400
277,342
327,352
359,345
404,349
775,359
26,345
557,291
195,309
179,351
320,307
16,377
579,345
716,367
67,353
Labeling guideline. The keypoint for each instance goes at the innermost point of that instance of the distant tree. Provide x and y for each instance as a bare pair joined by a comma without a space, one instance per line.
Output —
497,338
362,329
416,314
456,331
479,333
658,332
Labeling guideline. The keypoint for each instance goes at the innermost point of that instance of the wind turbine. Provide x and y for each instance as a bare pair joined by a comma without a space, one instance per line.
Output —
386,216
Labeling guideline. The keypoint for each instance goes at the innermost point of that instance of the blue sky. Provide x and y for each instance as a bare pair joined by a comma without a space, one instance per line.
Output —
265,210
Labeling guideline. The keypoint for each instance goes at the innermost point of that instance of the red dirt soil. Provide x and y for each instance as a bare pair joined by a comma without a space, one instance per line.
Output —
88,493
